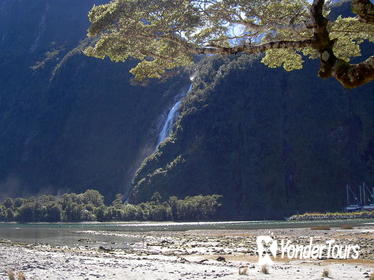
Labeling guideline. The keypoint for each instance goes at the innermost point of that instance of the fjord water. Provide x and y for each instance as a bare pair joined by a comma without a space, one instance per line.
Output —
120,235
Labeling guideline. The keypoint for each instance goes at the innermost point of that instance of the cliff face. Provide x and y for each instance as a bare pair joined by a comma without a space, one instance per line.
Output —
271,142
68,122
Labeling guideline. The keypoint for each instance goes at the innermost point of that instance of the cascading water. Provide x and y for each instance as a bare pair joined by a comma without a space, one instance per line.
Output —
171,117
165,131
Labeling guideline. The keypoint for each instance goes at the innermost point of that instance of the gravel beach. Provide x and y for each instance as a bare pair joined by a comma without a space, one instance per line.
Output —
195,254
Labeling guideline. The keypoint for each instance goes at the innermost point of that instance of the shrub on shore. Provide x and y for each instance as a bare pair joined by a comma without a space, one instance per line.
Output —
320,228
13,276
333,216
265,269
346,227
243,270
326,273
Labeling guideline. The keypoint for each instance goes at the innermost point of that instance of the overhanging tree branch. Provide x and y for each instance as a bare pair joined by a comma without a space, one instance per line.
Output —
354,75
165,35
364,9
349,75
252,49
274,26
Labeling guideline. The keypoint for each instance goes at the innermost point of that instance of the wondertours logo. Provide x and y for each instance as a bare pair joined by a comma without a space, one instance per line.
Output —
268,249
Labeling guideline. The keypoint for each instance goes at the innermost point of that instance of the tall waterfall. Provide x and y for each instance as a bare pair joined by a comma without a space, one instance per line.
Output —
171,118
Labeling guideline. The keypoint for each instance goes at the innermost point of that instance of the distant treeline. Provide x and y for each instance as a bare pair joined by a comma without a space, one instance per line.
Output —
89,206
333,216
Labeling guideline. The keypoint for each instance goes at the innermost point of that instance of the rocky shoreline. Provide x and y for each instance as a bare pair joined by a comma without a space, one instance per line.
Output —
195,254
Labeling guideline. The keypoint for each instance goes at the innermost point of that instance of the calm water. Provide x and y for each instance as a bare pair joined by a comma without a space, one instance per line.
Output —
114,234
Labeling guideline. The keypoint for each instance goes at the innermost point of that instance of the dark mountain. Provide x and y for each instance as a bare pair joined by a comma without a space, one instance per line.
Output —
271,142
69,122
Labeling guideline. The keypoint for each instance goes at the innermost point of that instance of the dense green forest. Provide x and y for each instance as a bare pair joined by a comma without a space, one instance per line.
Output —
90,206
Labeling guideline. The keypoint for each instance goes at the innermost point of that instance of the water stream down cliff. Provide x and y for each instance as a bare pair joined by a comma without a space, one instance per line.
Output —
171,118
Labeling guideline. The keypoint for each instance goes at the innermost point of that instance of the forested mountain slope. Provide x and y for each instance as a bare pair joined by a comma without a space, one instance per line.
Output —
271,142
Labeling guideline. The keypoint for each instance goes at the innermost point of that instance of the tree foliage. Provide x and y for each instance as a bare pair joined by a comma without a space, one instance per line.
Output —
165,34
89,206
